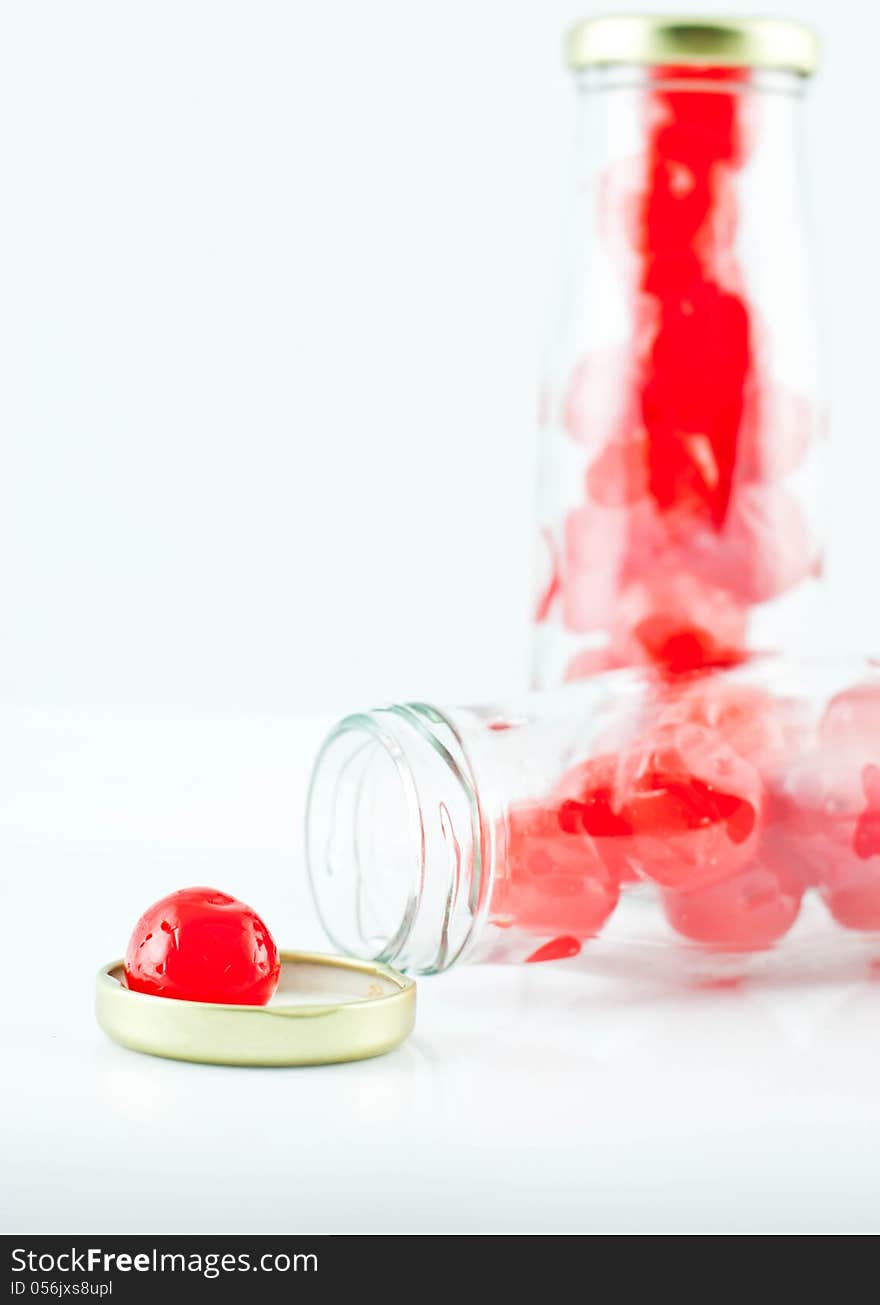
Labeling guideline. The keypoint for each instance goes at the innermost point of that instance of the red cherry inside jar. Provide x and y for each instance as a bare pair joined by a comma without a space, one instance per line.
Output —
202,945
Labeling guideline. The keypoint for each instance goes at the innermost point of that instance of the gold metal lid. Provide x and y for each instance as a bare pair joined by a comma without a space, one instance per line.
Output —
694,39
327,1009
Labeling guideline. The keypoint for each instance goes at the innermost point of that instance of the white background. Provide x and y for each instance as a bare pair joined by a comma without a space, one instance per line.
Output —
273,280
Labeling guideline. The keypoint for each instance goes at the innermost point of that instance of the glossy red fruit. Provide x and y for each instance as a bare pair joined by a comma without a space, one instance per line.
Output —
852,722
764,548
590,801
749,912
693,806
685,522
829,818
677,622
694,375
557,883
618,475
767,729
680,808
202,945
852,885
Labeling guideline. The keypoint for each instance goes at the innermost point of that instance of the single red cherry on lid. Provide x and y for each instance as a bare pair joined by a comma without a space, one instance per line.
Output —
202,945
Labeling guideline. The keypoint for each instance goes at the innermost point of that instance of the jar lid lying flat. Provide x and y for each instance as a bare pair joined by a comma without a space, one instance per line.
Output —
327,1009
666,38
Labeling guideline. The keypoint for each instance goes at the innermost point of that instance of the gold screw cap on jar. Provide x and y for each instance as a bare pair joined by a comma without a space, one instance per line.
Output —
695,39
326,1009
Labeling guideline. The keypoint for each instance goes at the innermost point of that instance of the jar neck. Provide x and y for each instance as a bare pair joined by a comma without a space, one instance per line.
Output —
643,77
747,122
400,851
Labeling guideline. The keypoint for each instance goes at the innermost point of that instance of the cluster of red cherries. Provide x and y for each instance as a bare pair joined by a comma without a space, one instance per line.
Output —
730,801
687,521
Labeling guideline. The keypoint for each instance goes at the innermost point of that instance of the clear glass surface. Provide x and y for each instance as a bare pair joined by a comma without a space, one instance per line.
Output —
718,816
681,508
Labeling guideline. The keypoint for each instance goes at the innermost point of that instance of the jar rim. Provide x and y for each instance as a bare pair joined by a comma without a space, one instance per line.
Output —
398,856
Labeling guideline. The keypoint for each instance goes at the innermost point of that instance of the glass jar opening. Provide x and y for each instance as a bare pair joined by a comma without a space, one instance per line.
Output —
364,840
393,838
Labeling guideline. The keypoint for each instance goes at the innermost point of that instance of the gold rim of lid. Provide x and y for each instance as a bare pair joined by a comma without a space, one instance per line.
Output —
681,39
377,1017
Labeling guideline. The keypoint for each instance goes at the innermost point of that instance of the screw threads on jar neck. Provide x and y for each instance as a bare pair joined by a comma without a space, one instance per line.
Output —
395,841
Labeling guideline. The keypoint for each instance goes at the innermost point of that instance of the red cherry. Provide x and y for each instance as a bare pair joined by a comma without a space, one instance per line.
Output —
748,912
678,203
678,622
693,805
712,122
202,945
764,728
556,883
829,818
618,475
685,523
694,375
765,547
852,721
589,794
680,808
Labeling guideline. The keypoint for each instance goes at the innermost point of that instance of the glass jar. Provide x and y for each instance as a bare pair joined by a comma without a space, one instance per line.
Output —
723,814
680,505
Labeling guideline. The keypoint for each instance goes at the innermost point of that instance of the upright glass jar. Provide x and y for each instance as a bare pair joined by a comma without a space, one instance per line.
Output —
718,815
680,505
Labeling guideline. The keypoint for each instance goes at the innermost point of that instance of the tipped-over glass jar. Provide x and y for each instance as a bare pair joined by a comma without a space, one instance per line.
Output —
680,499
721,813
